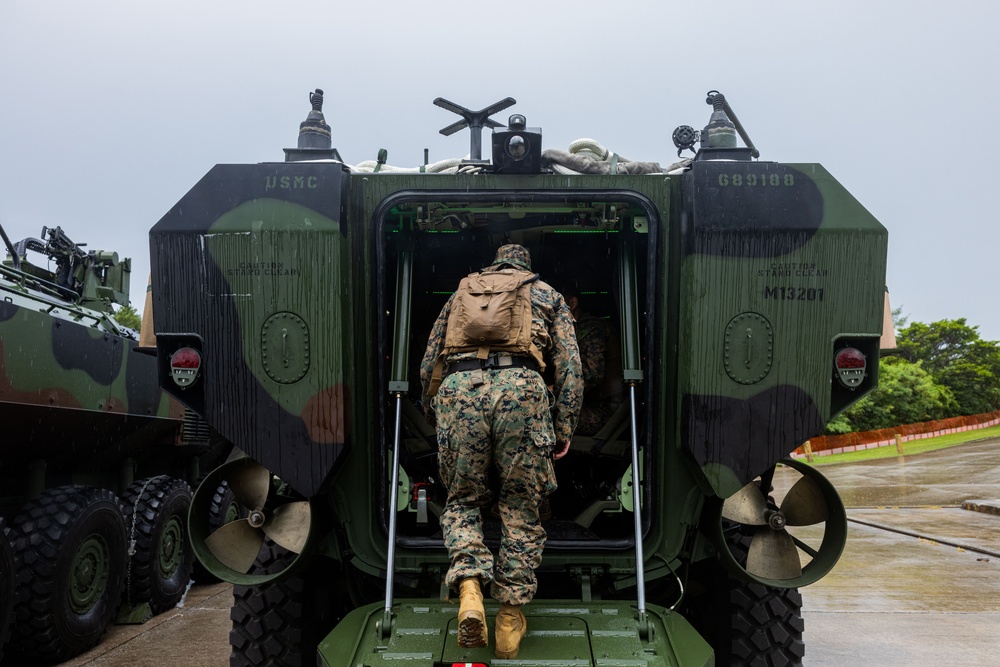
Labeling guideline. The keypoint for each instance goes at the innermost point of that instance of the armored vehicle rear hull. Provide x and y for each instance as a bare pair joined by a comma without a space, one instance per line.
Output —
292,303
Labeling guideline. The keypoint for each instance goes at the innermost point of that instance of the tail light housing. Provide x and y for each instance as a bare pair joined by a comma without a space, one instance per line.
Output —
849,366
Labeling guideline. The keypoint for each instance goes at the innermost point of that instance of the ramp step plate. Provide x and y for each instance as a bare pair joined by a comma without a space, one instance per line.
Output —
601,634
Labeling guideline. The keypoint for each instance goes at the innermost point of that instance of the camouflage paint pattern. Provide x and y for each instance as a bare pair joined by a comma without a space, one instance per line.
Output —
700,278
502,423
717,250
251,267
790,263
71,385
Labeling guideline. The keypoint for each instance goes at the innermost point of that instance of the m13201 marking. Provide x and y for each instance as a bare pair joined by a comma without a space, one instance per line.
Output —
756,180
794,293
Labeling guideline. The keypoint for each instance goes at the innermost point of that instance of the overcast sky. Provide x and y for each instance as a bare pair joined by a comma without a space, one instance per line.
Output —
111,111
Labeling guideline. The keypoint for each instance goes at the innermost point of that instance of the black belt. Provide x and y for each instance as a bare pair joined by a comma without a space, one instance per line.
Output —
491,362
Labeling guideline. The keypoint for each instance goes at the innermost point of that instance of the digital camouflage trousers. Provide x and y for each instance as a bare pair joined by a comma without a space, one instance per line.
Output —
502,422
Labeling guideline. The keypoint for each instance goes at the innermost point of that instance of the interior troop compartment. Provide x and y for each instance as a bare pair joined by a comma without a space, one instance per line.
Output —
596,247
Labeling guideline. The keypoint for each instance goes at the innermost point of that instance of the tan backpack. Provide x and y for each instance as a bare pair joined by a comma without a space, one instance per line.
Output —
490,313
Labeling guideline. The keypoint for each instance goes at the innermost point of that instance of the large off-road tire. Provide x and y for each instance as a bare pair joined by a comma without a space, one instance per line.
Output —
159,568
748,624
766,626
7,582
70,547
280,624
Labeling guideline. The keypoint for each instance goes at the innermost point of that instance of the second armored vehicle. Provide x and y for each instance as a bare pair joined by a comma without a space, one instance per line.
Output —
97,460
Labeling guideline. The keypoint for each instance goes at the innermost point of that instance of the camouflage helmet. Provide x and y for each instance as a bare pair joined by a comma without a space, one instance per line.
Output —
515,255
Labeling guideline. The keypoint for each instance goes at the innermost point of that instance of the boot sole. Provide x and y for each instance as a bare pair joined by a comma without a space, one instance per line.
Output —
472,632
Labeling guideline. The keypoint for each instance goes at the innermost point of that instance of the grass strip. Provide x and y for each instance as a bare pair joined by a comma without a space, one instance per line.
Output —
910,447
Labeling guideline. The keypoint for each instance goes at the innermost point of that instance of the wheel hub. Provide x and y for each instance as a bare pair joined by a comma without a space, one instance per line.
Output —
172,546
89,573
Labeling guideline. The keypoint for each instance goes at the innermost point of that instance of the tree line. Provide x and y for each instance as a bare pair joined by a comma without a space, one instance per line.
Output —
938,370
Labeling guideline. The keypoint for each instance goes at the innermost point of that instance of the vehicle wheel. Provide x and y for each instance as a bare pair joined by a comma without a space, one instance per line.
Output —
748,624
70,547
280,624
222,510
156,521
767,626
7,581
224,507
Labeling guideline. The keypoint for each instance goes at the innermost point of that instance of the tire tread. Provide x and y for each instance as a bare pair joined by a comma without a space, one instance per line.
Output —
40,534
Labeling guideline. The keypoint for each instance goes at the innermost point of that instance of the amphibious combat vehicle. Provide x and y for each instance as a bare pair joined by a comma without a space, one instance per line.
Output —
292,303
97,461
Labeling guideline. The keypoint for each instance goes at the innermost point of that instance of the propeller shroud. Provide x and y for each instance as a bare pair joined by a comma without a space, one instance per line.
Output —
777,556
230,551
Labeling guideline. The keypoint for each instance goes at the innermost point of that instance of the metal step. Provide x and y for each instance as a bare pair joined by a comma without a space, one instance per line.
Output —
560,633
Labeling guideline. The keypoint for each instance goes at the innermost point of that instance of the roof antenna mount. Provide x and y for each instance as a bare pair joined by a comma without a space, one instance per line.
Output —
475,121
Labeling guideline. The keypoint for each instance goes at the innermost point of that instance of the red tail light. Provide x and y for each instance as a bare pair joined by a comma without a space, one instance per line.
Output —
184,366
849,365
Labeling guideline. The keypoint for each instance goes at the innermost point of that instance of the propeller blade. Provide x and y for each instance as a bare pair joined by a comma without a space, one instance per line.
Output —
236,545
804,504
772,555
250,484
746,506
289,525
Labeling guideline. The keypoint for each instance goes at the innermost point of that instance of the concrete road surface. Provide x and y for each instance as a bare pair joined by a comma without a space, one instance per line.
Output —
927,595
193,635
918,584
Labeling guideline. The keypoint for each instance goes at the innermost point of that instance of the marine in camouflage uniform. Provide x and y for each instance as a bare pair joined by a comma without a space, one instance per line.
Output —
600,355
502,417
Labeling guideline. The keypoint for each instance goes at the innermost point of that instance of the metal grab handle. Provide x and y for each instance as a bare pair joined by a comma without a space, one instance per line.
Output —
640,574
398,386
386,625
632,374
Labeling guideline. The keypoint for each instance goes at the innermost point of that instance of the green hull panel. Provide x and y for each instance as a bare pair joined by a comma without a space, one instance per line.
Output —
570,633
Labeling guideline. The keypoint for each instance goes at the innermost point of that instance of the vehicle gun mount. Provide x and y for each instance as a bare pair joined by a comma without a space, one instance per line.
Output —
97,278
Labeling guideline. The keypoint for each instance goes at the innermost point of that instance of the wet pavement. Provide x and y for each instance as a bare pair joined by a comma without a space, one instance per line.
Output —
945,478
193,635
918,584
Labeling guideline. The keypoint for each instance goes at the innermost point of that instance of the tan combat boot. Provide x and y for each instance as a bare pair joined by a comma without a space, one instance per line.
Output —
511,626
471,615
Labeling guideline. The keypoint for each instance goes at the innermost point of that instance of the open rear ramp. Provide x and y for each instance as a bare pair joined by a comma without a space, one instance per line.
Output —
560,633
